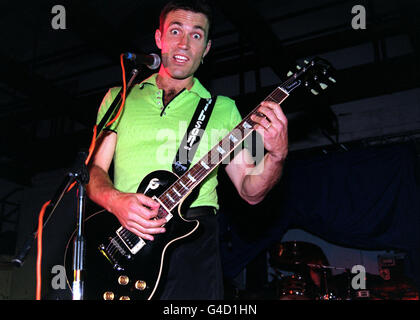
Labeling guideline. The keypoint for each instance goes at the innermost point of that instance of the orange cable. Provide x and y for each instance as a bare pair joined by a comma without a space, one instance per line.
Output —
39,256
92,144
123,94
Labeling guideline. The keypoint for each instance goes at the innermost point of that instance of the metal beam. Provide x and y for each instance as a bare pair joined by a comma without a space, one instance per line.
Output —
254,28
310,47
355,83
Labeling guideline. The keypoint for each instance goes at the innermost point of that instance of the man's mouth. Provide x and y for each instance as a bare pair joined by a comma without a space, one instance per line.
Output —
180,58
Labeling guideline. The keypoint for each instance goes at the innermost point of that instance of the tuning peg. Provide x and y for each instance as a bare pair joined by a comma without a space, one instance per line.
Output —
298,67
306,61
323,86
290,73
314,92
332,79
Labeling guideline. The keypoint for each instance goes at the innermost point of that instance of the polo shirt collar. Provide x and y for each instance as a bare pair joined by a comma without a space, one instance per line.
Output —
197,87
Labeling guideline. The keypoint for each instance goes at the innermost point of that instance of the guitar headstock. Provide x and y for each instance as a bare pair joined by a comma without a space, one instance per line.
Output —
315,75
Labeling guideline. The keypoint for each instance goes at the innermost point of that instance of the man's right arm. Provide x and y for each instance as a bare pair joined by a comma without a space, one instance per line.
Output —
135,211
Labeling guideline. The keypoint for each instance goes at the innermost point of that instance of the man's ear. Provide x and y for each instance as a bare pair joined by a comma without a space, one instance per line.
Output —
158,36
207,48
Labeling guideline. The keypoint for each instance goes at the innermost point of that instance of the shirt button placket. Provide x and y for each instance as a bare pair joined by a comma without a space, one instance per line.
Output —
159,100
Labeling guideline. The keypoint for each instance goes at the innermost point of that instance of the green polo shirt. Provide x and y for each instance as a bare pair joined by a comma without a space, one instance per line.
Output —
149,136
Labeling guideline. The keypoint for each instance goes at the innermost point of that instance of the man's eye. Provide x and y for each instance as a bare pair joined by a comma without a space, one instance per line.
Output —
197,36
174,32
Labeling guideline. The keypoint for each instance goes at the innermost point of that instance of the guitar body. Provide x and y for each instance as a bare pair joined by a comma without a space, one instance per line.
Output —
113,271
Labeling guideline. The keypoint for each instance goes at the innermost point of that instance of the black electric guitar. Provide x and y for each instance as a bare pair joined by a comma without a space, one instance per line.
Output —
120,264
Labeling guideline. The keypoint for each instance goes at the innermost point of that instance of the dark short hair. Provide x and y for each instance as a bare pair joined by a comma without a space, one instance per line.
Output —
197,6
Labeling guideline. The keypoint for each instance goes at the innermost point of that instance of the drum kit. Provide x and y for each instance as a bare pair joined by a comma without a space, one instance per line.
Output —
302,272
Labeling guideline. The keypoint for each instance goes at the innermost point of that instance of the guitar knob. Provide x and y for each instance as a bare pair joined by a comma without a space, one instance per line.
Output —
123,280
140,285
125,298
108,295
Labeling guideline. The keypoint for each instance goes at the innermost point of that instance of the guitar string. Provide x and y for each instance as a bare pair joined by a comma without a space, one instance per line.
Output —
202,172
111,250
276,95
278,92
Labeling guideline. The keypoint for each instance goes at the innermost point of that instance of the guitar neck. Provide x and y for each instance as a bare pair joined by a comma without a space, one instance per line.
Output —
196,174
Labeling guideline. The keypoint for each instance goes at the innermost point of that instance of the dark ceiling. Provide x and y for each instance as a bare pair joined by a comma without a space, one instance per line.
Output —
52,81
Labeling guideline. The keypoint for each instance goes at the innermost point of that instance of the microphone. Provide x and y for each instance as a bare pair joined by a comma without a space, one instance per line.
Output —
152,61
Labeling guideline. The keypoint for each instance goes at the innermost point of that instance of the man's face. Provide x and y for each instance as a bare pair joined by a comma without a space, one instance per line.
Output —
183,43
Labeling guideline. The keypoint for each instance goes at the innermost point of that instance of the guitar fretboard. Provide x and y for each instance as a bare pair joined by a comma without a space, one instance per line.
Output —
196,174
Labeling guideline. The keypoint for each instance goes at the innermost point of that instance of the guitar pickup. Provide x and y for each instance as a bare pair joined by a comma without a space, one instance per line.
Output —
131,241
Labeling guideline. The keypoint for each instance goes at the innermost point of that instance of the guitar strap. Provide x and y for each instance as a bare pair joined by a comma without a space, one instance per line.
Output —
192,137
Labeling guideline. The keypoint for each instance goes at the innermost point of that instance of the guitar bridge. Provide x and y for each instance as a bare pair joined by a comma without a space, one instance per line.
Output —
110,258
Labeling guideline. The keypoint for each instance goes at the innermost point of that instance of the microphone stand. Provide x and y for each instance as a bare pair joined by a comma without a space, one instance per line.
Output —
82,178
80,175
67,181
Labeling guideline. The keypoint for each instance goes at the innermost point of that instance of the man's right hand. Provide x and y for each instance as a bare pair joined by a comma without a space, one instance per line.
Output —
137,213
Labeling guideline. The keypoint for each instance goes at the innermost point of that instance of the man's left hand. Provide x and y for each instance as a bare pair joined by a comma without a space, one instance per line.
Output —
273,128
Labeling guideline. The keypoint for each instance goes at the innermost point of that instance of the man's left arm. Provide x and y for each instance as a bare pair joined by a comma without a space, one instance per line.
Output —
253,182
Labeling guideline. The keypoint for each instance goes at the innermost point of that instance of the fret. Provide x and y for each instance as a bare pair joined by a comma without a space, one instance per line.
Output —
183,185
192,179
271,98
169,197
247,125
176,192
278,95
204,165
218,153
162,213
233,138
221,150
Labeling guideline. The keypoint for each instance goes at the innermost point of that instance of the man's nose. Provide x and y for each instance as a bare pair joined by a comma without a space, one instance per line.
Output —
184,42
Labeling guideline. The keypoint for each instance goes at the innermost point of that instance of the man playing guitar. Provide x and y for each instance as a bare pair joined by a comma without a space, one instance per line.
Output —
157,104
